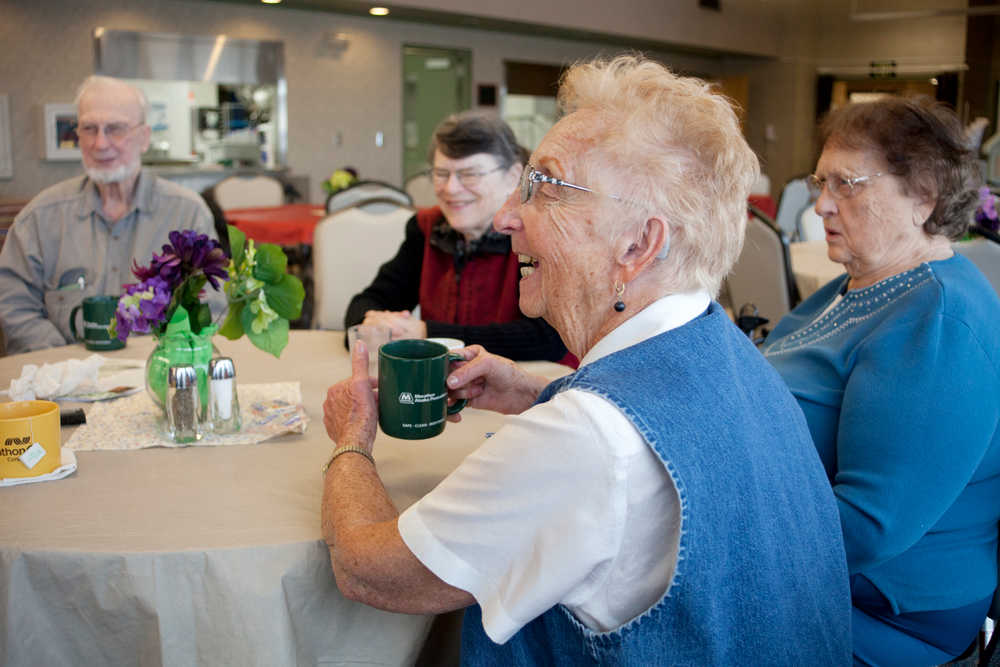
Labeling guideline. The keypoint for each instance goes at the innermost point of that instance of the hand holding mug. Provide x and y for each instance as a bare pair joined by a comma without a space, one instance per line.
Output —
492,382
350,414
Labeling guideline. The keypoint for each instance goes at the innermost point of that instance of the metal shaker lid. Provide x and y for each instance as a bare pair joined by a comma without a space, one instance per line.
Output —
182,377
221,368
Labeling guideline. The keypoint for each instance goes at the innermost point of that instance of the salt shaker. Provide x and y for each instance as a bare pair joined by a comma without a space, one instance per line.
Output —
183,404
224,405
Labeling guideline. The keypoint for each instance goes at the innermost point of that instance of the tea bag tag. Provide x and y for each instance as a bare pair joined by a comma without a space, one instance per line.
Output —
32,455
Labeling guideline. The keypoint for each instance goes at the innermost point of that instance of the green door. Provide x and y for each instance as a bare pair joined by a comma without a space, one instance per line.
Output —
436,83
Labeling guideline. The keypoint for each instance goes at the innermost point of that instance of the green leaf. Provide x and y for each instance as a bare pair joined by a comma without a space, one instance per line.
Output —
232,328
286,296
201,317
187,293
237,240
270,263
272,339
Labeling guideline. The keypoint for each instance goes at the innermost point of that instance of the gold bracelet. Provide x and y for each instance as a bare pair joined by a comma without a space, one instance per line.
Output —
344,450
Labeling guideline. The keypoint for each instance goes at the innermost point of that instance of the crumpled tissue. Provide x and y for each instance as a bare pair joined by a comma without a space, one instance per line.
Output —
59,379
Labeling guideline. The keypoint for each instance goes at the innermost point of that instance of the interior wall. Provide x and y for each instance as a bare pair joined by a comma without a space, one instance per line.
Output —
351,94
819,34
840,42
743,26
356,92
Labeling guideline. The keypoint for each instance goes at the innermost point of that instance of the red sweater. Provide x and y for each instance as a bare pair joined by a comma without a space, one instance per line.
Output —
483,291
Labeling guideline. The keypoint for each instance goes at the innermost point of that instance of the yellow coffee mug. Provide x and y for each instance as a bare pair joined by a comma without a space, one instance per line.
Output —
22,425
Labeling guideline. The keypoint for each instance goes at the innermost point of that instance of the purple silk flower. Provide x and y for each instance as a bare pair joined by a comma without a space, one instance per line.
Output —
188,253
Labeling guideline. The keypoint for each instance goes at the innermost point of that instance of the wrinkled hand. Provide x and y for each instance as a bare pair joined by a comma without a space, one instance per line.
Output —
350,411
401,323
491,382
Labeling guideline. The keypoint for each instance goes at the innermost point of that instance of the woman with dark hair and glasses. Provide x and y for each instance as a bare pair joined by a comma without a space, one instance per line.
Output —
896,366
461,272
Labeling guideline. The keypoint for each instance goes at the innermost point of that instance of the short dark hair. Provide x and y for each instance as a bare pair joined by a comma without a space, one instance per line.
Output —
463,134
924,145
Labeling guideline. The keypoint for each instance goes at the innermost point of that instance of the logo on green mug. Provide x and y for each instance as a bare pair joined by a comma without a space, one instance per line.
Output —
406,398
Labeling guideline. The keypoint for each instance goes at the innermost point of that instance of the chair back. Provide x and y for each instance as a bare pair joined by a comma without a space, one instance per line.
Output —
985,254
420,187
794,199
348,249
811,225
374,196
248,192
762,275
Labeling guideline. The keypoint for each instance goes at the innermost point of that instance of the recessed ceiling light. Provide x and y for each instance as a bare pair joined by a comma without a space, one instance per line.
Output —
378,11
271,2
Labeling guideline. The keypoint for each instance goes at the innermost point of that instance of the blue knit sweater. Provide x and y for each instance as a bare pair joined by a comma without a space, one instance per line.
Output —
900,386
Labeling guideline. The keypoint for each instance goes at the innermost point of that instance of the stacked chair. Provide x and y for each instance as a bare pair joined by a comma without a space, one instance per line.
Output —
375,196
761,285
349,246
248,192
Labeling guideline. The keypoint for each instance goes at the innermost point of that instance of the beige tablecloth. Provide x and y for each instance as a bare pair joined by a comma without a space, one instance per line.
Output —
812,267
206,555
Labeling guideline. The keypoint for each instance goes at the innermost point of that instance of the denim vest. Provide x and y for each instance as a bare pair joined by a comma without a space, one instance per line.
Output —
761,576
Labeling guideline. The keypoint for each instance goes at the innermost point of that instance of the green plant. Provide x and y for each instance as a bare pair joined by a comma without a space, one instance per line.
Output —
262,296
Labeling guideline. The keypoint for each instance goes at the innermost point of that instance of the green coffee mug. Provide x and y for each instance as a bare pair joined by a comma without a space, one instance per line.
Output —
98,311
412,396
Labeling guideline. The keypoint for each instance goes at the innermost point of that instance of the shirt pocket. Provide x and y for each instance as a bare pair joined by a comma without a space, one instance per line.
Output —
58,305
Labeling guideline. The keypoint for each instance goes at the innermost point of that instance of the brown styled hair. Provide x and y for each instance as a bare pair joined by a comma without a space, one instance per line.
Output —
923,143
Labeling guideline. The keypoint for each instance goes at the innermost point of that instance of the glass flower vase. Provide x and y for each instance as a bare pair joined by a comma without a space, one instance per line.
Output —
194,349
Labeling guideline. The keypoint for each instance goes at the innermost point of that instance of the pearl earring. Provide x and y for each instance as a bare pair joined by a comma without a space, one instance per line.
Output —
619,292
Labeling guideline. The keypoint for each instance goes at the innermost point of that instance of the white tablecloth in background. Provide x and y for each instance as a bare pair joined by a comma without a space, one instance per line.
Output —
812,267
206,555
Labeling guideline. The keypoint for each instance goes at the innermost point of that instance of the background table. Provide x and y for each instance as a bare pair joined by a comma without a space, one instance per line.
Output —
812,267
289,225
206,555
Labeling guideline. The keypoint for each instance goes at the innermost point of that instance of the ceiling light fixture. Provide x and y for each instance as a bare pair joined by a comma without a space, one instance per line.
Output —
378,11
271,2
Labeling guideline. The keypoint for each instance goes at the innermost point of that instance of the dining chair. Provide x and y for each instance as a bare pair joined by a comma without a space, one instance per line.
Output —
248,191
795,198
377,196
985,254
761,284
420,187
811,225
348,248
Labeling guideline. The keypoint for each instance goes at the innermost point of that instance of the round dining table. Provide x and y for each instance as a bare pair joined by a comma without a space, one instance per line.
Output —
207,555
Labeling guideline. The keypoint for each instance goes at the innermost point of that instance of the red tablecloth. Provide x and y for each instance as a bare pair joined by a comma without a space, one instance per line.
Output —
765,203
291,224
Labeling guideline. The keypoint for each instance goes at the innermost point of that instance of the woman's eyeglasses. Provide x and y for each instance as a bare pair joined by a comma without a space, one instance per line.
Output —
839,187
530,176
469,178
113,131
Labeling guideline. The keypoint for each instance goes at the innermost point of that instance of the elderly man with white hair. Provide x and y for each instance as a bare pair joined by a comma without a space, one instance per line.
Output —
79,238
663,505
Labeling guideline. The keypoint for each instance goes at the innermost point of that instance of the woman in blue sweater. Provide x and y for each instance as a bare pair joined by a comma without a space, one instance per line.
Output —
896,366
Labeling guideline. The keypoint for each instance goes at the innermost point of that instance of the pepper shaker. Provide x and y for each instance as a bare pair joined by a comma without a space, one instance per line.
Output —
224,404
183,404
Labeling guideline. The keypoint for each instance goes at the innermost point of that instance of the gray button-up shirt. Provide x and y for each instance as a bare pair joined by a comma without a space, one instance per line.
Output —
62,235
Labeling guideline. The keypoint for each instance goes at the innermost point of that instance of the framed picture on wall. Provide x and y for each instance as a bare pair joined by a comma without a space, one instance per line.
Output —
60,137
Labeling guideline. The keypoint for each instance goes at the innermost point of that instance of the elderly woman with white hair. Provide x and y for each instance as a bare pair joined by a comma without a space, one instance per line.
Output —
664,503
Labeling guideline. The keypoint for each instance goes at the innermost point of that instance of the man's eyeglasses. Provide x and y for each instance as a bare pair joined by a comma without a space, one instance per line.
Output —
470,178
530,176
113,131
839,187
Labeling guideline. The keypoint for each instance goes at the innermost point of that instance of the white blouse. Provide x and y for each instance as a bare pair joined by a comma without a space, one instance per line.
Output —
564,504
